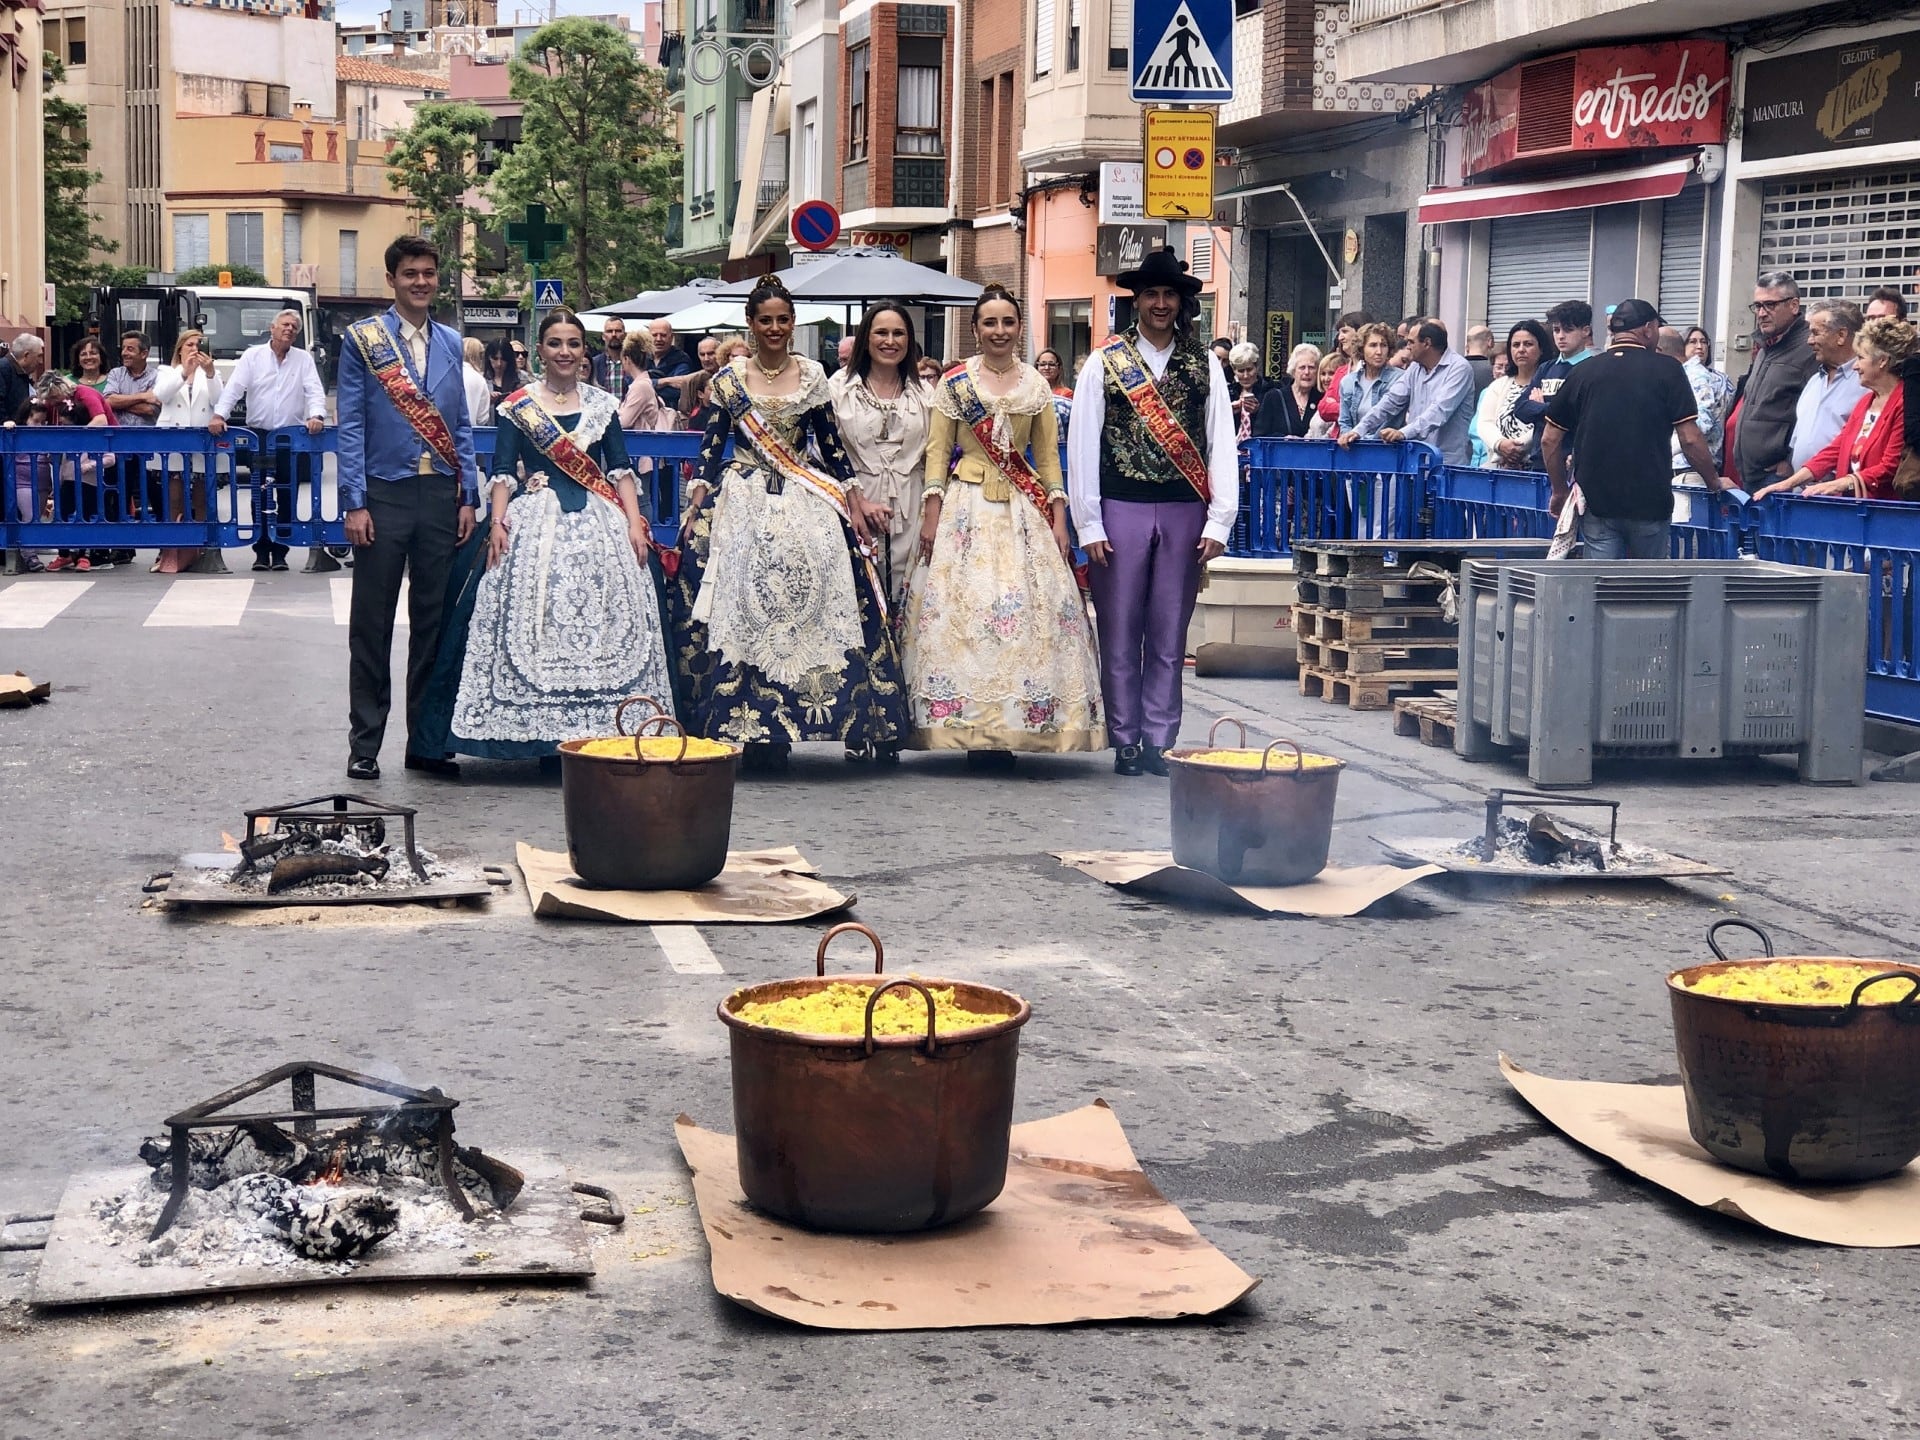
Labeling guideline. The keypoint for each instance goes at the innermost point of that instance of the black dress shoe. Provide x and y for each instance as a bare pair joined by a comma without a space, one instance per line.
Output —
262,564
363,767
445,769
1126,760
1153,760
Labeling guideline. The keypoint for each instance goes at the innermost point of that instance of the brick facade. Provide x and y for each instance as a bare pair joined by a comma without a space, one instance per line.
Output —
872,183
1287,62
992,104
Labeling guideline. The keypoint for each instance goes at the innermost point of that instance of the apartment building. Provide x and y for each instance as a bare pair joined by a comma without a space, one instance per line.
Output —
717,54
23,251
1607,148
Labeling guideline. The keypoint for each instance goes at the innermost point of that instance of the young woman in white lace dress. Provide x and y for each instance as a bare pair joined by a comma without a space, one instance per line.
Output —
998,651
566,616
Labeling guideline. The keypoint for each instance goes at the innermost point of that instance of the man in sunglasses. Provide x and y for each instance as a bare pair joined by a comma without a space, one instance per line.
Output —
1766,404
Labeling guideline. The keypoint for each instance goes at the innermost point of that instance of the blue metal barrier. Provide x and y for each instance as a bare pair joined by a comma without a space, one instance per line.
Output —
72,487
1867,537
1473,504
1315,490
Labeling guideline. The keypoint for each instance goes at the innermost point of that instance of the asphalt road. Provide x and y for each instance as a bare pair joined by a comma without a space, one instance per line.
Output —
1321,1097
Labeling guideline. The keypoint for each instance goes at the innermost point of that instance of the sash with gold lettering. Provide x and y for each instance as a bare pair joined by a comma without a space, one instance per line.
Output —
550,438
1010,463
1129,372
729,390
378,348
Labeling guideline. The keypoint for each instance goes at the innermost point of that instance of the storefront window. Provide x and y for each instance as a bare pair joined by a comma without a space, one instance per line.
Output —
1070,331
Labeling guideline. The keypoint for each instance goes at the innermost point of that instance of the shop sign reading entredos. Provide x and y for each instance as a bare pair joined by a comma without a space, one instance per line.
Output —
1617,98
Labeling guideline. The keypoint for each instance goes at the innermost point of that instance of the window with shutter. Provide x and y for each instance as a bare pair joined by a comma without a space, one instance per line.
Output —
1119,34
1202,257
192,242
1043,28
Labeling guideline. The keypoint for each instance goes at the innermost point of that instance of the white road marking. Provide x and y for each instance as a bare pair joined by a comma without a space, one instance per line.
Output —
342,588
202,604
30,604
686,950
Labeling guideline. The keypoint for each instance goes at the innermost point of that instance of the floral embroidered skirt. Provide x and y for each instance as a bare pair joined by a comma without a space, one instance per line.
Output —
998,652
777,632
564,627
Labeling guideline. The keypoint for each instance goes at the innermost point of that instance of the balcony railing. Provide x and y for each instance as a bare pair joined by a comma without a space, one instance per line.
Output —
1363,13
770,194
754,17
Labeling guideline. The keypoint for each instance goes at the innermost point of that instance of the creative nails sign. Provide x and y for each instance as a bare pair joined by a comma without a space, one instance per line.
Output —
1615,98
1863,93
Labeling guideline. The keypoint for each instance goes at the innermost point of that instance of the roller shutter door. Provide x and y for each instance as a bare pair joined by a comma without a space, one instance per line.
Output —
1843,236
1536,261
1683,246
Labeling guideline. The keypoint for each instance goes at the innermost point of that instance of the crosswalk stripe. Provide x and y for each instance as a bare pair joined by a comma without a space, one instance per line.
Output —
201,604
341,587
686,950
30,604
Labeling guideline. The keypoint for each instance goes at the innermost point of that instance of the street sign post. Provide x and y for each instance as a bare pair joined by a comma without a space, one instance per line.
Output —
1179,164
815,225
1182,52
549,294
535,237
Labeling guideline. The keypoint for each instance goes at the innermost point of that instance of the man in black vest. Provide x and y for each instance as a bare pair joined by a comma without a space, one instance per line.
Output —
1154,484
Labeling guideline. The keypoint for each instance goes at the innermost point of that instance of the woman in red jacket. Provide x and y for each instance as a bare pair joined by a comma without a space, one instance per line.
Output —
1864,456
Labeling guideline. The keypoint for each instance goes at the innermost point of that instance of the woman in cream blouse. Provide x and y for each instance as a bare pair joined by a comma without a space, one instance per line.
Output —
880,404
998,653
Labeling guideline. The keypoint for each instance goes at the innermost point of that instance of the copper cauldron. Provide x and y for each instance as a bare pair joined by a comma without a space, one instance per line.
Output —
873,1134
1267,826
1826,1093
640,824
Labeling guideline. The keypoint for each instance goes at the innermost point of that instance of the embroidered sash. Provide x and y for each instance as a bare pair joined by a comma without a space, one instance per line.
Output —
551,439
377,347
1129,372
1011,463
731,391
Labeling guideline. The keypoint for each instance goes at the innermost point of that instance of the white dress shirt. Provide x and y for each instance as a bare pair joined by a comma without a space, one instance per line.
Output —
1826,404
479,398
415,337
278,392
1090,416
185,404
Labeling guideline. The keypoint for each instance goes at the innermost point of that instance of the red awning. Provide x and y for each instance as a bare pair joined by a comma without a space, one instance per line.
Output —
1537,197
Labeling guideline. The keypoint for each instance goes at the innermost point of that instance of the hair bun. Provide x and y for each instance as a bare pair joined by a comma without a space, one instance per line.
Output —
772,282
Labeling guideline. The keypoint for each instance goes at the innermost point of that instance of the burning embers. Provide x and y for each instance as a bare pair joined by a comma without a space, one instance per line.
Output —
331,840
324,1195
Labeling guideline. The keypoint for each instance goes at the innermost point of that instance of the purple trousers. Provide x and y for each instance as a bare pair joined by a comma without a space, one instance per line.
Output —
1143,598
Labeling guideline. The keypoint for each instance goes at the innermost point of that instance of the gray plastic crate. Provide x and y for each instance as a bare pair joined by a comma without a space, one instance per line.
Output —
1573,659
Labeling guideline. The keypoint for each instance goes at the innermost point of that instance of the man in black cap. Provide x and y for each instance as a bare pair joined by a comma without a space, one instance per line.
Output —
1154,482
1618,414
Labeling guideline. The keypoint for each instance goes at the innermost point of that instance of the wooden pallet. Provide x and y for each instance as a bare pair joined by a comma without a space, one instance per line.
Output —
1399,624
1427,659
1364,692
1431,717
1355,595
1332,559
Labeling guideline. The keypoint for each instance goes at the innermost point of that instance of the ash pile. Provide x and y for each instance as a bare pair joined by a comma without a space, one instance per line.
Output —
331,854
1544,843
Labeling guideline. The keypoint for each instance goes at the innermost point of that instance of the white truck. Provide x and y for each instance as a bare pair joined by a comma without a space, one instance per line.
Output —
233,317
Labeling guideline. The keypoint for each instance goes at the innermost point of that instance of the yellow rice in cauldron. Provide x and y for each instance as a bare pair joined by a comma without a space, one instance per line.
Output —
841,1009
1282,761
1798,982
653,747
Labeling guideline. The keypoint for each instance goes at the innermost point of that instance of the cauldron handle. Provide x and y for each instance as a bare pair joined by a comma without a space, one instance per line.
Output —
1713,930
1232,720
1299,758
662,719
620,710
879,950
874,999
1903,1008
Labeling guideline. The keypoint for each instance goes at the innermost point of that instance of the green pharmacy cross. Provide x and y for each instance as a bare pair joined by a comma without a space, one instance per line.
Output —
535,237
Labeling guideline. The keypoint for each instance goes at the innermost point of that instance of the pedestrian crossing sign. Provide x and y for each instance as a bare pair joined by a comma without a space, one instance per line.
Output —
1183,51
549,294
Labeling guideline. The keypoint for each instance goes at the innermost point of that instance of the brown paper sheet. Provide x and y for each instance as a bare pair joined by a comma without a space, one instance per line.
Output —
1644,1127
758,887
1078,1234
1336,891
18,690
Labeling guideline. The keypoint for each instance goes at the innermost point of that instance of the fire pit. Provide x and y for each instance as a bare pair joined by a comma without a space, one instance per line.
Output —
328,1188
330,850
1544,847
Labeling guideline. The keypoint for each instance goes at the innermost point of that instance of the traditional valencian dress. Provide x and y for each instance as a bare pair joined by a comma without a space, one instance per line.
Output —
782,618
568,623
998,652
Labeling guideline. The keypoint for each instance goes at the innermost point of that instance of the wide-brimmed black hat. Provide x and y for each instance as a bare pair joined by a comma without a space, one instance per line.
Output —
1161,267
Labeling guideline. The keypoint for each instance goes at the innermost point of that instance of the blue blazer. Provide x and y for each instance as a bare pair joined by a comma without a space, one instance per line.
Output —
375,442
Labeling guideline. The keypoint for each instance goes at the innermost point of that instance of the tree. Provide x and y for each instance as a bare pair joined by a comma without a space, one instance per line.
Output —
210,275
431,163
71,234
594,150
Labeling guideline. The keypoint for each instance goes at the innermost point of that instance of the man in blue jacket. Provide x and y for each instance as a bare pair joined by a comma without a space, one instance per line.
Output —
409,487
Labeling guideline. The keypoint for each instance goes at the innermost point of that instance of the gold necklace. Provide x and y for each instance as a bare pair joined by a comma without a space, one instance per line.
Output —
778,370
560,397
1007,369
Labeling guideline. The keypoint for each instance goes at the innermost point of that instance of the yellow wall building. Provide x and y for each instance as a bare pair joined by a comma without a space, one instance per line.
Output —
23,251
